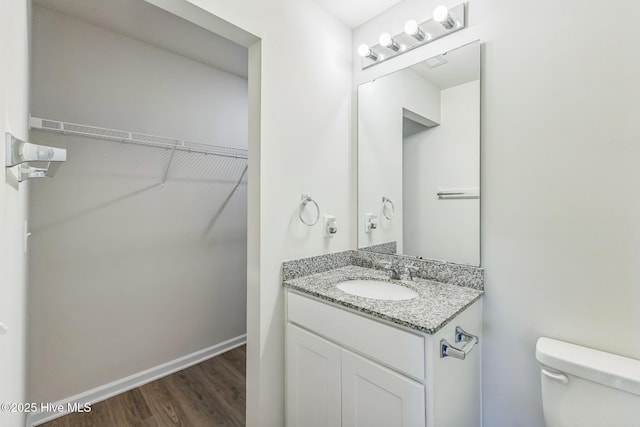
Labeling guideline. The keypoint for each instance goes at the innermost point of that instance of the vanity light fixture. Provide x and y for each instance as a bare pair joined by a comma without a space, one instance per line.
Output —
366,52
441,15
444,21
387,41
411,28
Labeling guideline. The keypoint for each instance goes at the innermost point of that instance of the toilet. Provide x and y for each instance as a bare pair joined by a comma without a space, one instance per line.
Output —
583,387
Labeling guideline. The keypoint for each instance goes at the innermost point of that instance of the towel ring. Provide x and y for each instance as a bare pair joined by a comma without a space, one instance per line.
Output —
303,204
387,205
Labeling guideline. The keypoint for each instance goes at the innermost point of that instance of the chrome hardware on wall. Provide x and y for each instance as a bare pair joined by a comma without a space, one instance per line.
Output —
370,222
304,201
330,226
18,152
388,208
460,352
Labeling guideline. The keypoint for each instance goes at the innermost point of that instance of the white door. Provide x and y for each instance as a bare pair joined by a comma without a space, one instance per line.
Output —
374,396
312,380
14,81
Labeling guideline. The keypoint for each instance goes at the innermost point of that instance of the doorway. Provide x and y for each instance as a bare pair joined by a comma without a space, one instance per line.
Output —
129,240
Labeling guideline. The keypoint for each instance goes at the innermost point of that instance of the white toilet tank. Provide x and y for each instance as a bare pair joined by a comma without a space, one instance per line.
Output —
582,387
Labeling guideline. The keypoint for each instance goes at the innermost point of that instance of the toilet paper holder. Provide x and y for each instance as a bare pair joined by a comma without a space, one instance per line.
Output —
459,352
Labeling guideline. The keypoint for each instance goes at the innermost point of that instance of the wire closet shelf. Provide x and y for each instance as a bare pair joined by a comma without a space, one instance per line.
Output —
135,138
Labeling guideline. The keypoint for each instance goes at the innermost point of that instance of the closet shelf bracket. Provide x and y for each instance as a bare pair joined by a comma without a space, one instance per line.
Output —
166,171
19,153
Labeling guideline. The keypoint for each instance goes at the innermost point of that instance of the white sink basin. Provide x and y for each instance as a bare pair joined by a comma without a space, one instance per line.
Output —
377,289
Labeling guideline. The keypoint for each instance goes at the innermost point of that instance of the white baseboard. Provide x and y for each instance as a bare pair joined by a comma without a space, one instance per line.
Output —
106,391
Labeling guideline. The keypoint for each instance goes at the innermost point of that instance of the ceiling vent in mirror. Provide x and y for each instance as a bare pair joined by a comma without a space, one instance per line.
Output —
436,61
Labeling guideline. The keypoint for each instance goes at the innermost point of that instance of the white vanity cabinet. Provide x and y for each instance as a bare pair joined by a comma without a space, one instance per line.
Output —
375,396
329,386
348,369
314,380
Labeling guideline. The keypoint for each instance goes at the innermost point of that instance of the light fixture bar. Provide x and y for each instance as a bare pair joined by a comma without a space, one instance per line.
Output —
444,22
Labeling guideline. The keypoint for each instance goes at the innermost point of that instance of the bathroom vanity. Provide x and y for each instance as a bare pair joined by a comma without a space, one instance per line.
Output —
359,361
386,336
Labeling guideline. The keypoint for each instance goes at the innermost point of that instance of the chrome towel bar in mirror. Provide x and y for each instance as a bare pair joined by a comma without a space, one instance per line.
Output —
472,193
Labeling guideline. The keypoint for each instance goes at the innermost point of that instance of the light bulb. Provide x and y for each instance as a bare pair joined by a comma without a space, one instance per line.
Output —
363,50
366,52
411,28
441,15
387,41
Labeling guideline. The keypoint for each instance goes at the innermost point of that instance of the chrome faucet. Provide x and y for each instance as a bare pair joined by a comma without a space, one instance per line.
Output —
399,273
411,270
394,271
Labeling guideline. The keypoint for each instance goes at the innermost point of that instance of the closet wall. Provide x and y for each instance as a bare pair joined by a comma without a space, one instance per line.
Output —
126,274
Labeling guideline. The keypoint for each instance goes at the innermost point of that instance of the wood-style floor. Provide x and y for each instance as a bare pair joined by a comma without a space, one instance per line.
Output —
211,393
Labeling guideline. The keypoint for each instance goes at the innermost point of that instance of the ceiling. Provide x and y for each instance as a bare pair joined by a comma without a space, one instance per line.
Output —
356,12
142,21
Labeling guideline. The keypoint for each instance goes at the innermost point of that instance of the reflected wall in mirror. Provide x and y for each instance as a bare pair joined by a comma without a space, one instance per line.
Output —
419,159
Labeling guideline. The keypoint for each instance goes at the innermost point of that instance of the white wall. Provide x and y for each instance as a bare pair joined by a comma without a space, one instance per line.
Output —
560,230
304,147
306,94
85,74
125,275
14,42
440,158
380,170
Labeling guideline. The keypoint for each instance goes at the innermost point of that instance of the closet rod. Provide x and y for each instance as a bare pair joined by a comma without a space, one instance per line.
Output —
134,138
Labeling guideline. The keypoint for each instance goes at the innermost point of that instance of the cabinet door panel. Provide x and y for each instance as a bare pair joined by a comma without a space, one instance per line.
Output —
374,396
313,380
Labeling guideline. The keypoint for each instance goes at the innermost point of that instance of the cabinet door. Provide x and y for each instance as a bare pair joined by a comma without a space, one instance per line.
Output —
312,380
374,396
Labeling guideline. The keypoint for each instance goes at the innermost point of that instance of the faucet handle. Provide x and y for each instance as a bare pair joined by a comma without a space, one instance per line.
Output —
386,265
394,272
411,270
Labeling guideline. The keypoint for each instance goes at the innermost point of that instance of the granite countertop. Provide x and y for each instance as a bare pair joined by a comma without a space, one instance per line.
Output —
437,303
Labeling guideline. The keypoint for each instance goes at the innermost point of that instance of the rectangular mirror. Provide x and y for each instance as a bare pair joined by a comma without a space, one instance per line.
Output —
419,159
